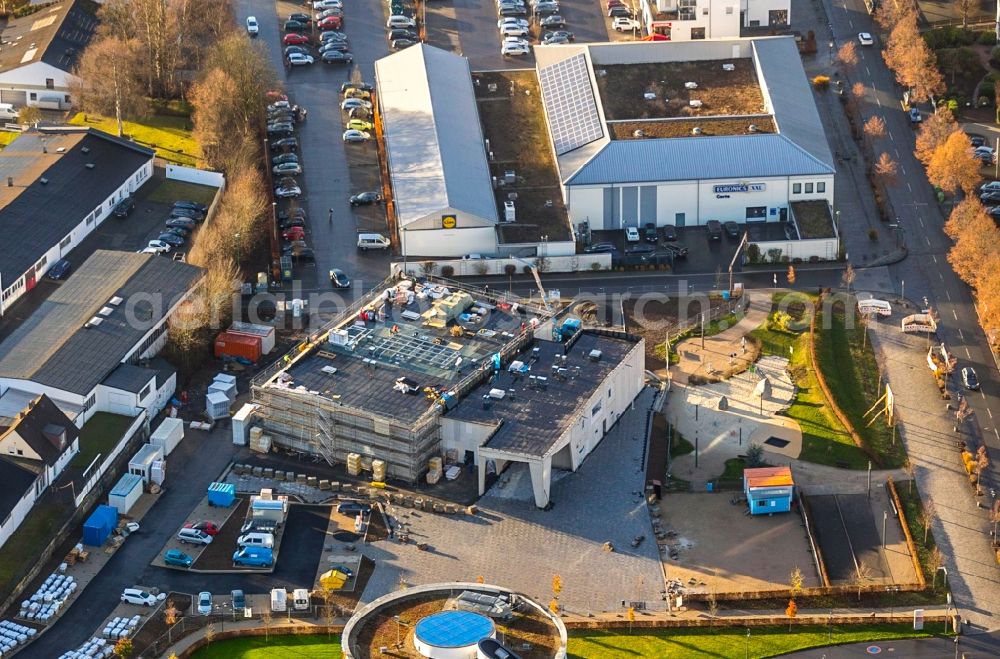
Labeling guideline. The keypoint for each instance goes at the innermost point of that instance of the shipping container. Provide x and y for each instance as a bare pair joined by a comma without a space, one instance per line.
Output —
238,345
264,332
99,525
141,463
125,493
221,494
168,434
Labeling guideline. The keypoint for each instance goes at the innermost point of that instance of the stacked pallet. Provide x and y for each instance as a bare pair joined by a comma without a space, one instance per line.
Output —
378,471
436,470
353,464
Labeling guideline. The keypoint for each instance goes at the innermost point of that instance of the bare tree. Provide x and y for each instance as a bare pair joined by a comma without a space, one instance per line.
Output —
795,581
935,559
108,81
848,277
712,605
863,576
925,517
965,7
266,618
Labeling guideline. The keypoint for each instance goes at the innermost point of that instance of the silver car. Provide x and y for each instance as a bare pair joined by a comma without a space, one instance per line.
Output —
353,135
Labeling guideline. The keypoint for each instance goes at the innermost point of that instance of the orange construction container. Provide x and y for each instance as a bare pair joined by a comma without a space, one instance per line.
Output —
246,347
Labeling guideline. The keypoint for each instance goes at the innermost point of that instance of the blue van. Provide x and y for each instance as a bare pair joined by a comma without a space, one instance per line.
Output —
254,557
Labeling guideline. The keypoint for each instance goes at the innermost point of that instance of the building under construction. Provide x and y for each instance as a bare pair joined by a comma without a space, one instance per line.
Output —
376,379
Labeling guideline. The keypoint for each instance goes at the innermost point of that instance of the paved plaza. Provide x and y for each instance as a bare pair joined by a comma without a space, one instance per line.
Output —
511,542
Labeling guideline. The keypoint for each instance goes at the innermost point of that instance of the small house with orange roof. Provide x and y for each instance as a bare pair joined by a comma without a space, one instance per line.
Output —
768,489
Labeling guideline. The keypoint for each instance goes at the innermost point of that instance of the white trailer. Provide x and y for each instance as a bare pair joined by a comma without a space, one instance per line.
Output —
168,434
242,420
279,599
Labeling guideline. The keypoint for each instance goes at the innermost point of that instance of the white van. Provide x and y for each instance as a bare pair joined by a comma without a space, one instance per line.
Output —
254,539
300,599
368,241
279,599
7,112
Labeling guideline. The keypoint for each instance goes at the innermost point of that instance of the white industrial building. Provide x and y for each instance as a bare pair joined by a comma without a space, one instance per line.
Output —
90,346
41,50
690,20
442,191
681,153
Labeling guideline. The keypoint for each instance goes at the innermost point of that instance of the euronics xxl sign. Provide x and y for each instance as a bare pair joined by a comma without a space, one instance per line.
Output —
740,187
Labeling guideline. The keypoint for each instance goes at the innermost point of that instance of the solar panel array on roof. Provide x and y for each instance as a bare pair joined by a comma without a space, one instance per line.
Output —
570,105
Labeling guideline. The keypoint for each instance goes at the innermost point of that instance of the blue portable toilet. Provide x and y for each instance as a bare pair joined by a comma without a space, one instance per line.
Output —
99,525
221,494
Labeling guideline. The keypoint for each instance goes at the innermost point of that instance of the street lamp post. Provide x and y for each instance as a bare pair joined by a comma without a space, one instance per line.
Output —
885,517
892,590
831,52
747,653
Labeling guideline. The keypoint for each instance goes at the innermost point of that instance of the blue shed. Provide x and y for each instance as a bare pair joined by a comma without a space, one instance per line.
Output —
768,489
99,525
221,494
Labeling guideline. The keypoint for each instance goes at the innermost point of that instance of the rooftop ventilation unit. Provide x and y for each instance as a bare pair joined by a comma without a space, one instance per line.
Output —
510,177
509,213
696,130
728,67
752,128
61,149
497,394
85,149
690,85
43,181
638,132
695,103
106,311
94,322
594,355
649,96
89,165
115,301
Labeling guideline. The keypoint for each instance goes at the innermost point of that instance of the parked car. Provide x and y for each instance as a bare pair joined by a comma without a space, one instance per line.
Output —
360,124
138,596
294,39
865,39
643,250
204,603
397,21
331,23
287,191
353,508
365,198
253,557
546,8
601,248
182,222
915,116
293,233
124,207
59,270
732,229
555,39
283,158
650,233
286,114
623,24
298,59
338,279
290,143
211,528
333,35
194,537
356,136
512,10
990,197
992,186
292,222
193,205
329,11
300,17
336,57
239,600
512,20
187,213
283,129
514,49
632,234
159,246
401,33
553,22
323,4
969,378
994,212
358,93
558,34
178,231
400,44
714,229
669,232
171,239
618,12
177,557
333,44
253,29
977,140
287,168
349,103
364,86
295,26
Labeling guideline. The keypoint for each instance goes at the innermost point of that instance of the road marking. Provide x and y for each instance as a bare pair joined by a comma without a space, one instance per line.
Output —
928,240
954,314
932,255
996,433
903,170
941,276
988,410
849,21
949,297
892,138
960,335
909,187
879,103
967,353
869,73
921,220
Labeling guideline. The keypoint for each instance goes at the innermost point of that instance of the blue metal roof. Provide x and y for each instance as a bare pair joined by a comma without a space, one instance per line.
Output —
697,158
454,629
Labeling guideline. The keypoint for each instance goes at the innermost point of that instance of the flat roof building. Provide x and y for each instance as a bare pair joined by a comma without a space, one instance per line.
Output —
420,368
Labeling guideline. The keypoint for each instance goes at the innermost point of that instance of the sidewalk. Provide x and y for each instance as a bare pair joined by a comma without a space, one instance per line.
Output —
712,355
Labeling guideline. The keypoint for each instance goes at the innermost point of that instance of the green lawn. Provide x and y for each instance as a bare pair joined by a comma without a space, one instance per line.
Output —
723,642
910,498
824,438
848,363
169,191
99,435
24,547
169,135
308,646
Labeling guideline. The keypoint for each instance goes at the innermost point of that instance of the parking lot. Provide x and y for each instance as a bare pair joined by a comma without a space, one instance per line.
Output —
703,255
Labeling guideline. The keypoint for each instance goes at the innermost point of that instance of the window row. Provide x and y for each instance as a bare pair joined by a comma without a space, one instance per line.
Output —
820,188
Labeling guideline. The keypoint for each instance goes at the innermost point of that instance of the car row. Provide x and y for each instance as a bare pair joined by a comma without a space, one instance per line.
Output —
183,219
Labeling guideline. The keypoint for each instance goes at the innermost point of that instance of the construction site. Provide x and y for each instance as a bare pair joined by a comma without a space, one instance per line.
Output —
368,390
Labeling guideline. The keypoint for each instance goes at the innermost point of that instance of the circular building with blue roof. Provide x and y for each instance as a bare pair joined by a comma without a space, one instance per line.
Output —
452,634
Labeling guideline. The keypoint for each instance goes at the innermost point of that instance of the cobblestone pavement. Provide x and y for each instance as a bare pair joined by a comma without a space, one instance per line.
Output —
960,527
512,543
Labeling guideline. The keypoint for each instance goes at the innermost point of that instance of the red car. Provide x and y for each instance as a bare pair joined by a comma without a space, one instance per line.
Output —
294,233
209,528
294,39
330,23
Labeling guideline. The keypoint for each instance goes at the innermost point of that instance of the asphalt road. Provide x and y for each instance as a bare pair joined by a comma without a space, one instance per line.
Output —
969,647
925,273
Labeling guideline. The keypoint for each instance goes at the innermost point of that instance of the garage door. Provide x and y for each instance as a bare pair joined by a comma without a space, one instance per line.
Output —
120,403
16,98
